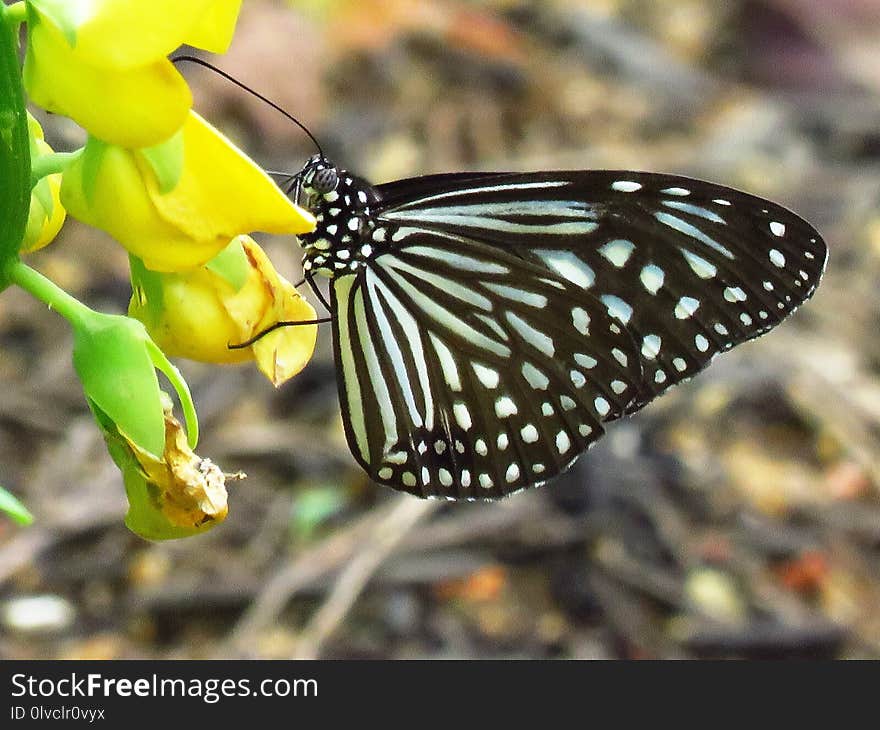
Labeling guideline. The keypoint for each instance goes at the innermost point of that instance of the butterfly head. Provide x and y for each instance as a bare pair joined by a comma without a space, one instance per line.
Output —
341,205
318,177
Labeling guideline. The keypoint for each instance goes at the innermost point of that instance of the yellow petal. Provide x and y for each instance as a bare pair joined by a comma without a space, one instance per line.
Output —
43,225
229,191
124,34
194,322
220,194
135,107
285,352
200,313
214,31
119,204
42,228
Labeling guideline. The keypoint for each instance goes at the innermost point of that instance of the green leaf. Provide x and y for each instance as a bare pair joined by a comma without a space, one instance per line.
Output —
14,508
118,376
231,264
15,159
166,161
64,14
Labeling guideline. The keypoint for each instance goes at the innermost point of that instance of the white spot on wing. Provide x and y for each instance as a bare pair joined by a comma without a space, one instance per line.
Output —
689,230
617,307
686,307
447,364
537,339
534,377
487,376
652,278
734,294
696,210
569,266
459,261
516,294
563,443
651,346
617,251
462,415
777,258
699,265
581,320
777,228
505,407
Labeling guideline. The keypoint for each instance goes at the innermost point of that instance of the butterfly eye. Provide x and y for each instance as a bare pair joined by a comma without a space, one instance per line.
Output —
325,180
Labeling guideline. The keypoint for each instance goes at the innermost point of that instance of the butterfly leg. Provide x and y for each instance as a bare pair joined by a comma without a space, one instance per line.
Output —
318,293
277,325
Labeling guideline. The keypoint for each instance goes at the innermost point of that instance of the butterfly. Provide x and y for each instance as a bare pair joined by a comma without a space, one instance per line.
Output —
487,326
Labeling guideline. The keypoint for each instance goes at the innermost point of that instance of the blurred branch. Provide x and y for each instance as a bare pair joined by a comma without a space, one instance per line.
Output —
384,539
326,557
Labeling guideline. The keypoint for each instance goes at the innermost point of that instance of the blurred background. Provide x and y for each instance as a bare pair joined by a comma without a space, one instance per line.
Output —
738,516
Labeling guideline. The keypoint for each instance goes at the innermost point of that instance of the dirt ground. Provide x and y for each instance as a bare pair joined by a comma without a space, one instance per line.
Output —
738,516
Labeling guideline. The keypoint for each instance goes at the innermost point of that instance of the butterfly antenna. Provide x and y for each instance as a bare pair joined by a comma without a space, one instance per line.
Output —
249,90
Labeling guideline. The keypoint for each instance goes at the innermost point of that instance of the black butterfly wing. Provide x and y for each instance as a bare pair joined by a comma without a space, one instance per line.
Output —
468,372
690,268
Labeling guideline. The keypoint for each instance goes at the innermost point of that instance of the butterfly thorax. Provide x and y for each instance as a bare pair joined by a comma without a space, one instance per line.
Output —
342,240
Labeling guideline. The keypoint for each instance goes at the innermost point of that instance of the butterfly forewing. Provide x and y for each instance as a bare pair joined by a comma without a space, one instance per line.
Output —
690,268
457,382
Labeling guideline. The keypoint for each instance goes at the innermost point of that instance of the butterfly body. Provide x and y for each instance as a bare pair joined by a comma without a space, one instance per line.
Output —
487,325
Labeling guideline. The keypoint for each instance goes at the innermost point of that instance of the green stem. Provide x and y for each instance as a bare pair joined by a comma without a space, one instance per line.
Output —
50,164
17,12
32,281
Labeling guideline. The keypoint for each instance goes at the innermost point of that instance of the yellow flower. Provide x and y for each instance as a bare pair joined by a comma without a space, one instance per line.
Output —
103,62
46,214
198,314
177,205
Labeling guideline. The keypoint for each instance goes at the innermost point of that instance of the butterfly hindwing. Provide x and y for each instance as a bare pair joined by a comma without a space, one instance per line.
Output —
468,372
